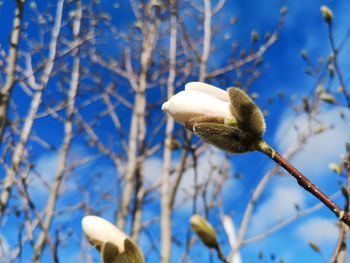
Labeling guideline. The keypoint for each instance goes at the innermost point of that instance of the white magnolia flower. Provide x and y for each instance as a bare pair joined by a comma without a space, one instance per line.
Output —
100,231
229,120
198,99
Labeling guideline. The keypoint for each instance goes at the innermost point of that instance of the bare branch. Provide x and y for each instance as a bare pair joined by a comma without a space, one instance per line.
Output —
36,101
165,202
5,92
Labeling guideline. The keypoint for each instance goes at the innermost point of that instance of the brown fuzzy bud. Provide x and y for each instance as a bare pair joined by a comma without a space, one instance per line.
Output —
110,253
225,137
249,117
203,119
113,244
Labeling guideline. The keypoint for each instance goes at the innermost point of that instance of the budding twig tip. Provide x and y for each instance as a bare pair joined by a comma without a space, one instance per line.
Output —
341,215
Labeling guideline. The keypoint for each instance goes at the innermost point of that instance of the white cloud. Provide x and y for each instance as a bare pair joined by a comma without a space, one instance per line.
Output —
319,150
45,170
153,170
318,230
278,206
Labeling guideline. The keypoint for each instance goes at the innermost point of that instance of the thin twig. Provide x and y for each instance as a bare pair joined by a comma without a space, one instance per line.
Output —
220,254
335,52
280,225
6,91
166,232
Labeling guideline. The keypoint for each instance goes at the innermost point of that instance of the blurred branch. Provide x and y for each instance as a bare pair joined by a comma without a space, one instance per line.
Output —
257,54
236,65
138,126
218,7
255,197
64,151
35,103
283,223
229,227
166,206
5,92
206,41
335,52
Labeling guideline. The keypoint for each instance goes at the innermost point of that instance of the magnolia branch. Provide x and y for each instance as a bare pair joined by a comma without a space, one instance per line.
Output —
340,250
305,183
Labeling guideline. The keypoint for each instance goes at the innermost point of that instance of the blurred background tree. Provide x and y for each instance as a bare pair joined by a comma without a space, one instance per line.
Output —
82,132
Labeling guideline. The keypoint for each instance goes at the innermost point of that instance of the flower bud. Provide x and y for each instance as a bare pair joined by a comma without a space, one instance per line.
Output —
32,5
225,137
331,70
113,244
229,120
304,55
198,99
328,98
254,36
306,104
204,231
173,144
110,253
336,168
327,14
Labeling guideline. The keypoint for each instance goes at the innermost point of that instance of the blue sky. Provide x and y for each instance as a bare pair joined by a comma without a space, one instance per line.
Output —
304,30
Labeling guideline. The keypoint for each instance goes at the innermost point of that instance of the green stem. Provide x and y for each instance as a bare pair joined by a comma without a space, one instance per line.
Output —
304,182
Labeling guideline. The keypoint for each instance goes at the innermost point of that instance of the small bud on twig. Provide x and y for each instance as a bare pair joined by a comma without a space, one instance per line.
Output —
336,168
204,231
254,36
327,14
304,55
328,98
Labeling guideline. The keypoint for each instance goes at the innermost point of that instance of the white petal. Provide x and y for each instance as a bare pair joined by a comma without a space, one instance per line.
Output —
192,103
99,229
209,89
165,106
